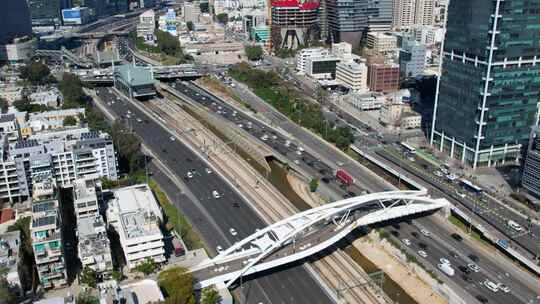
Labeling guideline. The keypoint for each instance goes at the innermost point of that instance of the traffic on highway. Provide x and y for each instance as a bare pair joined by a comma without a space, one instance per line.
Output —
439,245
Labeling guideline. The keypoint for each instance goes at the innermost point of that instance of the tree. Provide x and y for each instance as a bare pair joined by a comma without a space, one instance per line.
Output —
177,285
253,52
88,276
24,105
222,18
35,72
4,105
85,298
210,296
313,185
147,267
6,295
72,90
204,7
189,25
117,275
168,44
70,121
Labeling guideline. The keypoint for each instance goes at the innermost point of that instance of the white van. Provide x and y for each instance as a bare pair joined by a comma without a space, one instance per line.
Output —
447,269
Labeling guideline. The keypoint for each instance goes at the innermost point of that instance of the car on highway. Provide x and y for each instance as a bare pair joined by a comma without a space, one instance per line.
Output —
447,269
415,234
464,269
504,288
422,253
172,138
216,194
219,249
422,245
208,170
444,261
491,285
474,258
482,299
473,267
189,174
457,237
453,254
233,232
466,278
407,242
425,232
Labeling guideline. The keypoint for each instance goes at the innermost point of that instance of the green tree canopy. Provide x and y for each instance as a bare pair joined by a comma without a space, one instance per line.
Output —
313,185
72,90
36,72
147,267
210,296
222,18
85,298
189,25
88,276
253,52
24,105
204,7
70,121
178,285
168,44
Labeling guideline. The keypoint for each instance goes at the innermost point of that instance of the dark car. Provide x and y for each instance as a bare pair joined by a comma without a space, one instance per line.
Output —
453,254
424,246
325,180
474,258
482,299
466,278
351,194
415,234
464,269
396,226
457,237
394,233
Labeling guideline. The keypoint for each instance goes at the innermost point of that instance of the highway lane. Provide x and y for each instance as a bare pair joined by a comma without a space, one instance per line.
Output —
273,288
314,166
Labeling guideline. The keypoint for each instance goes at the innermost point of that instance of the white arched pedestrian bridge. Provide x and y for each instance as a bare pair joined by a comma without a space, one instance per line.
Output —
309,232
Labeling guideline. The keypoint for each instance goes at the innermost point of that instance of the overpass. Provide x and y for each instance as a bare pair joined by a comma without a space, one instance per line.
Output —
159,72
308,233
65,55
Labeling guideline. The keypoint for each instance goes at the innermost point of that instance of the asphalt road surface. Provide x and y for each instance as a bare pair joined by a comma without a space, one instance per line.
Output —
214,217
439,246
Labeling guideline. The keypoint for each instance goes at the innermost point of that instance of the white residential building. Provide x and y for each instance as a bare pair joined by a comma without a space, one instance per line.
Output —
135,215
85,198
50,98
352,75
94,247
191,11
147,25
427,34
412,58
403,15
424,12
366,101
381,43
10,243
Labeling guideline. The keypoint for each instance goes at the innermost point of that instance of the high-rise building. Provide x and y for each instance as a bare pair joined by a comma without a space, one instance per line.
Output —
403,13
47,12
488,90
349,20
14,20
531,168
424,12
294,22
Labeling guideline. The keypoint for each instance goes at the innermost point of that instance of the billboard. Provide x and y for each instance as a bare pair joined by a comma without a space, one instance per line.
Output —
301,4
75,15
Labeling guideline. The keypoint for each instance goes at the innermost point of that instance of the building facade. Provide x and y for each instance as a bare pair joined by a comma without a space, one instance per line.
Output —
294,23
383,77
381,43
352,75
488,90
412,58
531,168
47,12
147,26
135,215
304,55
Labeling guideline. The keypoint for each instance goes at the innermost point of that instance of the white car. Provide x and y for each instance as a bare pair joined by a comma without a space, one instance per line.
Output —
504,288
298,152
438,173
208,170
190,174
233,232
425,232
296,161
407,242
422,253
172,138
264,137
473,267
215,194
491,286
444,261
240,125
287,143
219,249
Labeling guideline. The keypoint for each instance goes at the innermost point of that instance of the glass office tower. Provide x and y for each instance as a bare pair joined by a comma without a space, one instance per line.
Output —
490,81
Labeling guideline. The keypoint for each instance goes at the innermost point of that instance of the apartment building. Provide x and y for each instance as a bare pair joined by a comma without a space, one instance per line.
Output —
383,77
147,25
46,233
85,197
10,243
68,154
94,248
412,58
381,43
135,215
352,75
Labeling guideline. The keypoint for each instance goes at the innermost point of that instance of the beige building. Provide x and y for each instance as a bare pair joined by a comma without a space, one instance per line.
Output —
407,13
191,11
424,12
381,43
352,75
396,114
410,120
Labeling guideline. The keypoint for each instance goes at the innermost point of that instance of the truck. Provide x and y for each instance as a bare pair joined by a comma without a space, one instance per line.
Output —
177,247
344,177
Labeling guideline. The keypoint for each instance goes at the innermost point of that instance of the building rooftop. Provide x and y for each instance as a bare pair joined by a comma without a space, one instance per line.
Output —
93,240
134,75
138,211
9,249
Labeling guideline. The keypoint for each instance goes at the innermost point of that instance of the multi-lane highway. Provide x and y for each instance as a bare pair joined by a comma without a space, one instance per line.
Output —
214,217
438,245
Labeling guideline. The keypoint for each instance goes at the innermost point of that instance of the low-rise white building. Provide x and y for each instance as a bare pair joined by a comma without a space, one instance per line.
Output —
410,120
147,25
94,247
50,98
85,198
352,75
366,101
304,55
135,215
10,243
11,93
